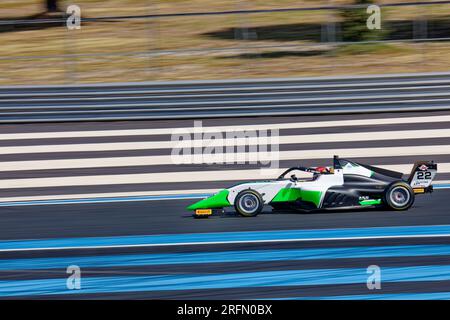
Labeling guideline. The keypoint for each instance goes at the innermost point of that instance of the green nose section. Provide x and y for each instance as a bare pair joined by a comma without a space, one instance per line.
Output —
219,200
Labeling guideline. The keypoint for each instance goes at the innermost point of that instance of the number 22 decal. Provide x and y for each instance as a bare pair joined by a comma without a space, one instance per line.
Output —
423,175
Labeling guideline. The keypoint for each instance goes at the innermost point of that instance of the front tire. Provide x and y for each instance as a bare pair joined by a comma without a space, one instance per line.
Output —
248,203
399,196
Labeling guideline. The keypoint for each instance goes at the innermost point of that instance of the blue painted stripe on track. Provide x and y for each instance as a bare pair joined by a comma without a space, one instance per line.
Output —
127,199
441,186
90,285
376,296
228,237
224,257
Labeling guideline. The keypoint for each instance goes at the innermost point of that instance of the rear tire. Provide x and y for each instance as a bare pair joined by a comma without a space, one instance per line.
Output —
399,196
248,203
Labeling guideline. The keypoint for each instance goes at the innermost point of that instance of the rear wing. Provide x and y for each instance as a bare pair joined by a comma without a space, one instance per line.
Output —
421,176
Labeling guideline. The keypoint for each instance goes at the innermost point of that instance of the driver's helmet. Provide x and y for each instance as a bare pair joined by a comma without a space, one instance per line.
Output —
325,170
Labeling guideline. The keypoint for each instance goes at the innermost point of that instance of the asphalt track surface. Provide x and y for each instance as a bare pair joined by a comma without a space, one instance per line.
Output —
414,267
125,158
156,217
414,263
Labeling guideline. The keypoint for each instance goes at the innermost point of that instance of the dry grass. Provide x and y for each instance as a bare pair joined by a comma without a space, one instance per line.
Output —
14,8
24,53
18,8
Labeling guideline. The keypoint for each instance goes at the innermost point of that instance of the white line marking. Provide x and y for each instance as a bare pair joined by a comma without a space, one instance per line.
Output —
312,138
229,242
110,195
250,156
186,176
169,131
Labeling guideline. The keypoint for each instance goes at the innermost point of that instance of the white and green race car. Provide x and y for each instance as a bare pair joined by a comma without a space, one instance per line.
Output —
345,185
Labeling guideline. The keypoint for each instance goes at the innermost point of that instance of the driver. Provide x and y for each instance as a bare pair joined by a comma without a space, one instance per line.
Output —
323,170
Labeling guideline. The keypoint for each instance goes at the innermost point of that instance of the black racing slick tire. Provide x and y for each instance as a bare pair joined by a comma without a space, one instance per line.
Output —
248,203
399,196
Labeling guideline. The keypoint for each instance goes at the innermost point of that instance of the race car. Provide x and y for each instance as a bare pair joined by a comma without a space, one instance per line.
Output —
345,185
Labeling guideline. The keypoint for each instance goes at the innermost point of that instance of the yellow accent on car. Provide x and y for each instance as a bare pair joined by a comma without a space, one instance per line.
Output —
203,212
419,190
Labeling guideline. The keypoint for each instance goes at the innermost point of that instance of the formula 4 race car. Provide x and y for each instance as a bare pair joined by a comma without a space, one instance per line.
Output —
346,185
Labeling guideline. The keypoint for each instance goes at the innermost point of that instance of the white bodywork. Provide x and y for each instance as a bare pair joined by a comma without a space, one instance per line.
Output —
269,189
423,179
350,168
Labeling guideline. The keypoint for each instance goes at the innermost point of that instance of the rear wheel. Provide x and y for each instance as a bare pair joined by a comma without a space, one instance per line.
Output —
248,203
399,196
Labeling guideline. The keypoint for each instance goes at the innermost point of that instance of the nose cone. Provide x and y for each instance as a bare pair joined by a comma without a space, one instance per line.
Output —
219,200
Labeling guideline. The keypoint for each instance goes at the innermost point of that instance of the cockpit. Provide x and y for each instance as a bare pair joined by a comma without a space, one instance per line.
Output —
344,165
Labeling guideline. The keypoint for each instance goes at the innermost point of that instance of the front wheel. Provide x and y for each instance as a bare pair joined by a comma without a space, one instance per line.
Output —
248,203
399,196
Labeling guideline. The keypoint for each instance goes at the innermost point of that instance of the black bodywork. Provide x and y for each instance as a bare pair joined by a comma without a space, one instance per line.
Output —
356,188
